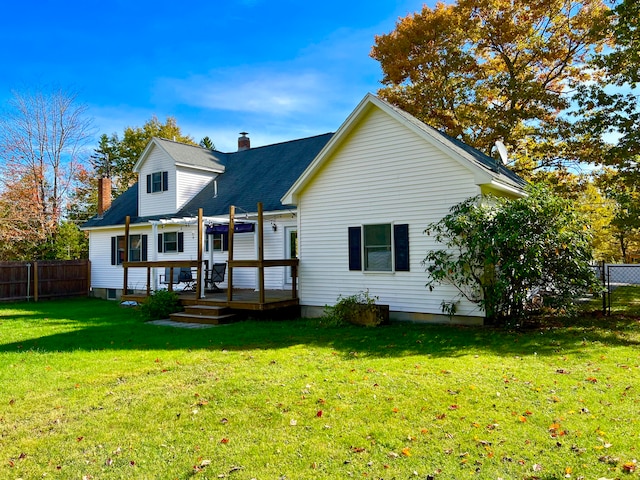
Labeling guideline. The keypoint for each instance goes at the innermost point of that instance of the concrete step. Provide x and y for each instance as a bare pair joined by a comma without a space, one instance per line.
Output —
187,317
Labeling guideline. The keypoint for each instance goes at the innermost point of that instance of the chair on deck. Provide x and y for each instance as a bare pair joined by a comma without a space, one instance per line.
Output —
217,276
180,275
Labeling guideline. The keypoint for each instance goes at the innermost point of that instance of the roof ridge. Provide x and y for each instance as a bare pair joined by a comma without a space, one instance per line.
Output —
281,143
182,143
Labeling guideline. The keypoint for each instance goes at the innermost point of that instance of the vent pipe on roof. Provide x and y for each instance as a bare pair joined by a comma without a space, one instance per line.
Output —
243,142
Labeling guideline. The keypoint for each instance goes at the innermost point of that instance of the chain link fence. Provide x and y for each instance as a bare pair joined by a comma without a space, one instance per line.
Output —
614,276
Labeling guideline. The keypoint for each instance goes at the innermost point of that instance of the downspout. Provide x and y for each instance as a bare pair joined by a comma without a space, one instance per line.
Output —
154,256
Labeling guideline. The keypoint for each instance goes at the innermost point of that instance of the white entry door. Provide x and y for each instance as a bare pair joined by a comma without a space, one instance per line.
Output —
291,241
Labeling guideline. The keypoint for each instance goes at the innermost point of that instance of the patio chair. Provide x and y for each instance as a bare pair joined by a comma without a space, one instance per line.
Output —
217,276
180,275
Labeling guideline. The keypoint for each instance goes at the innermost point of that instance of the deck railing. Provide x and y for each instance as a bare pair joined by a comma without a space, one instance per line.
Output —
260,263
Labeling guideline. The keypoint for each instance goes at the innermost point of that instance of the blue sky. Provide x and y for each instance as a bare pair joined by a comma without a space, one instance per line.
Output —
277,69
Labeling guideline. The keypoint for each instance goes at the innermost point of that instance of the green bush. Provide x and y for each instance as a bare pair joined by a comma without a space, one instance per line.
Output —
160,305
358,309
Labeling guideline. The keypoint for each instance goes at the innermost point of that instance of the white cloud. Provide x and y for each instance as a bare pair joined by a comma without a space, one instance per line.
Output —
249,89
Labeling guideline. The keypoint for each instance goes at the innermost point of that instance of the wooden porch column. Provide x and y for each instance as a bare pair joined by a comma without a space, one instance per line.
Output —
232,212
127,222
261,294
199,267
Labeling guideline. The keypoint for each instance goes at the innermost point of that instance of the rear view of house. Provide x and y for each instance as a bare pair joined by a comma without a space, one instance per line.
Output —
351,206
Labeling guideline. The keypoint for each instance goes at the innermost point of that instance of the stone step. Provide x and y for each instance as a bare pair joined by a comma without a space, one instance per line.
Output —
187,317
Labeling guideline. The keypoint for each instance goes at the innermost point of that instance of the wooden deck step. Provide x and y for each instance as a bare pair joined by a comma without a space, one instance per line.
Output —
209,314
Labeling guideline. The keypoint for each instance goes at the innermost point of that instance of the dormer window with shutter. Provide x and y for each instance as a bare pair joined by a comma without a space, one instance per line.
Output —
157,182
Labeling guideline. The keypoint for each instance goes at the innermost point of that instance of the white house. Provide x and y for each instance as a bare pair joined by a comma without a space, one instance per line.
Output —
352,206
364,202
175,180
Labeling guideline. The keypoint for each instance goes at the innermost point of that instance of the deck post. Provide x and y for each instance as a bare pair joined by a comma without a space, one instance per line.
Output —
199,267
232,212
261,295
125,275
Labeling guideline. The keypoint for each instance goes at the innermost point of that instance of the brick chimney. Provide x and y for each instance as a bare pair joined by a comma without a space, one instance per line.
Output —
104,195
243,142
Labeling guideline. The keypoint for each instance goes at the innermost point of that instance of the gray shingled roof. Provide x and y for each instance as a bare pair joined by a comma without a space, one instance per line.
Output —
191,154
262,174
125,204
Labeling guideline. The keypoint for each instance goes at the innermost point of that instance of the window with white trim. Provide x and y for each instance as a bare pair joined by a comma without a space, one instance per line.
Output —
380,247
157,182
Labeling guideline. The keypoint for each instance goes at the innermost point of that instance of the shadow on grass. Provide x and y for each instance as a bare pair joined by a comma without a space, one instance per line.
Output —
89,325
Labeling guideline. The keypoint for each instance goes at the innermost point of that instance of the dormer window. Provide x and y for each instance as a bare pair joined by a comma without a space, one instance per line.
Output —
157,182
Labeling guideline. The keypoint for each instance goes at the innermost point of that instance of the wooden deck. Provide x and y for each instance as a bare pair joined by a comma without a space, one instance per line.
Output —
243,299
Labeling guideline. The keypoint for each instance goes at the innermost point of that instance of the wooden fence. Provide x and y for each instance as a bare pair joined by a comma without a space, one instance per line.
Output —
44,279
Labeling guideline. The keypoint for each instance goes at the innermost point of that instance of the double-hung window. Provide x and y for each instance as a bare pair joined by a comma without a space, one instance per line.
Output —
137,249
171,242
157,182
382,247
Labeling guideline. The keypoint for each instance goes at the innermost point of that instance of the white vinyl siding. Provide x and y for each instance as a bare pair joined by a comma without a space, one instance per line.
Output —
190,182
381,173
162,202
105,275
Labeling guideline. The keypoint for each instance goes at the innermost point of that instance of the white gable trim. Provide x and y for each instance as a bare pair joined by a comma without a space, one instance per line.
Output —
482,176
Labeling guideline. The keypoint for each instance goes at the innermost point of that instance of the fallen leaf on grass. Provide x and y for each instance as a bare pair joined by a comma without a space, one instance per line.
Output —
224,440
406,452
629,467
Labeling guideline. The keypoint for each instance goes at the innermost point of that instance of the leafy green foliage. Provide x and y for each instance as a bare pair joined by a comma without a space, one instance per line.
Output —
116,157
160,305
509,255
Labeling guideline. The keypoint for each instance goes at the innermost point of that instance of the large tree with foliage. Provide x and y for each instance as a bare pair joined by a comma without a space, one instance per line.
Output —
610,108
484,70
43,144
118,156
497,252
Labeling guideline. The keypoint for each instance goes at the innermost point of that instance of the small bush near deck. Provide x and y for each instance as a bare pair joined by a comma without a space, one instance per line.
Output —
358,309
160,304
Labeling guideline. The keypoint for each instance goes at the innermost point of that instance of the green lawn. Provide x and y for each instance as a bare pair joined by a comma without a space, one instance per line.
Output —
87,390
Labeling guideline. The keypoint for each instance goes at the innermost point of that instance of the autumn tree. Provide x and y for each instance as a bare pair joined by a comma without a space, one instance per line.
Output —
610,108
43,141
484,70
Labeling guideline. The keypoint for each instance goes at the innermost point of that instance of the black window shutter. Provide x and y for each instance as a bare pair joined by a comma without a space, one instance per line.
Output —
401,243
114,250
148,183
143,255
355,248
159,243
180,241
225,242
165,181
